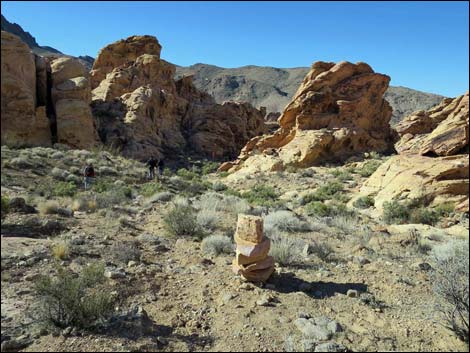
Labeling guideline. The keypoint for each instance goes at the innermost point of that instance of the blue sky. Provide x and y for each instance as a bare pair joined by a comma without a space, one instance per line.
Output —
421,45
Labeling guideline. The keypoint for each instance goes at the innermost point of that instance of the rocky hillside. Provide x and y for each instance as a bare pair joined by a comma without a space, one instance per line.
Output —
273,88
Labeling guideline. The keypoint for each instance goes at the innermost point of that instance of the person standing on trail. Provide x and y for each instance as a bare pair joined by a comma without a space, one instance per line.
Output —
151,164
89,174
161,165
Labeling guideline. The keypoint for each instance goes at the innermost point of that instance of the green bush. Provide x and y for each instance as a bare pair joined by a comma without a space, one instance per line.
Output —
395,212
368,168
5,206
181,220
151,188
63,188
325,192
102,185
424,215
445,209
364,202
118,195
187,174
317,208
341,174
261,195
209,167
78,301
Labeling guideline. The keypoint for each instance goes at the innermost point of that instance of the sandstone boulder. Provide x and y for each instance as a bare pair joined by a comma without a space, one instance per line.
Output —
71,98
435,180
337,111
441,131
23,121
142,111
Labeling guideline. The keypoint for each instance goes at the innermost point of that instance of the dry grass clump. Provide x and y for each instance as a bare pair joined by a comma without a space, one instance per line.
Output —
285,250
60,250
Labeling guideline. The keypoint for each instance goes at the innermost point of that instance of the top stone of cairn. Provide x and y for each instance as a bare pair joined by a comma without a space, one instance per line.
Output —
250,228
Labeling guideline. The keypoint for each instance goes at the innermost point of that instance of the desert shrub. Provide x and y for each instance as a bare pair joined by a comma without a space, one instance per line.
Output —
223,174
341,174
364,202
67,300
102,185
368,168
107,171
451,286
73,179
417,243
216,245
167,172
181,220
84,203
207,218
64,188
195,187
285,250
181,201
209,167
164,196
118,195
123,252
284,221
445,209
322,250
75,171
424,216
5,206
395,212
325,192
59,173
374,155
149,189
218,186
21,163
187,174
60,250
222,203
49,207
346,222
317,208
261,195
57,155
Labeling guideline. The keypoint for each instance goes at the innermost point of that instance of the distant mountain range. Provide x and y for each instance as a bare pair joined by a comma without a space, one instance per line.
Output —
273,88
270,87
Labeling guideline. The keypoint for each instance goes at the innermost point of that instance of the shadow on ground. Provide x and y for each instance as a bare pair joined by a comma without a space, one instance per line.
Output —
289,283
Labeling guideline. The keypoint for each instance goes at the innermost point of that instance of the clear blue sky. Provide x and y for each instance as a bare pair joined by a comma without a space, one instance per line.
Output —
421,45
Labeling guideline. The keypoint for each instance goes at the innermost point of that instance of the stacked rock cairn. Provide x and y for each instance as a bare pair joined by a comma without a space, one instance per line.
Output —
251,259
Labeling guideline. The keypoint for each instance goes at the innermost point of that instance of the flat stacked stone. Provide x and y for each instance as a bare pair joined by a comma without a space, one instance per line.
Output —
251,259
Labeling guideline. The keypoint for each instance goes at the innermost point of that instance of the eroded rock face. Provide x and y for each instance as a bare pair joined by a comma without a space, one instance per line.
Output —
441,131
24,120
433,163
71,98
337,111
436,180
142,111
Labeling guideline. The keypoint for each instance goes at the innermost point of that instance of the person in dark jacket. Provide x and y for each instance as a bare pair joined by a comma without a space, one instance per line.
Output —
161,165
151,164
88,174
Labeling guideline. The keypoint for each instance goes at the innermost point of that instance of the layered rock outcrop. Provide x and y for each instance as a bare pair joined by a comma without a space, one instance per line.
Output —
433,164
24,120
71,98
44,102
337,111
251,260
142,111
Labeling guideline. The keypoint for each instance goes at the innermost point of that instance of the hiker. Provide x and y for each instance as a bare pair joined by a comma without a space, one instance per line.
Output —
151,163
161,165
88,173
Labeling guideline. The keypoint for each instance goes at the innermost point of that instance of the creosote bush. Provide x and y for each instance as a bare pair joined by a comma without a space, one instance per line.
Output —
82,301
261,195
